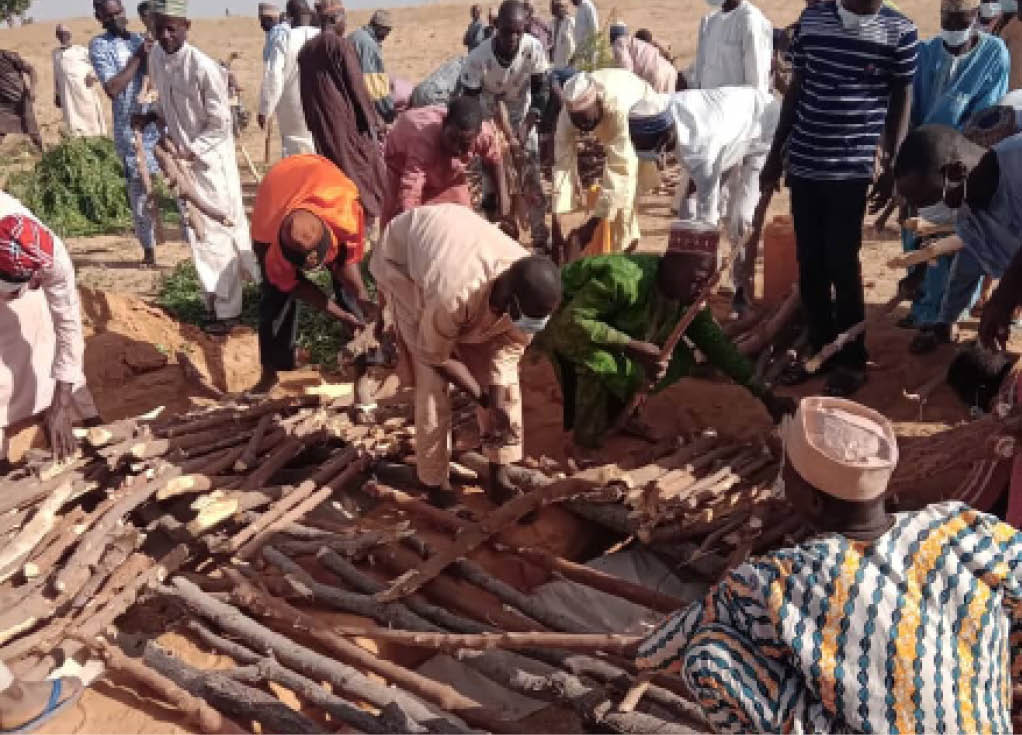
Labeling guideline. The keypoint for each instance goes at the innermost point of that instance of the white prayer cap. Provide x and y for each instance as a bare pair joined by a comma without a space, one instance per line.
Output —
581,92
841,448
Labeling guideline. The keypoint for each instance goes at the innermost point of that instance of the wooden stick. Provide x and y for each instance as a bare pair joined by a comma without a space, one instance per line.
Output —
248,458
451,642
14,554
762,335
248,161
147,186
677,333
477,534
946,246
814,365
268,143
196,710
279,457
241,415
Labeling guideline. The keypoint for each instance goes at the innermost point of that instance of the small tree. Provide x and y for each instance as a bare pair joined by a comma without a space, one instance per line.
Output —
11,9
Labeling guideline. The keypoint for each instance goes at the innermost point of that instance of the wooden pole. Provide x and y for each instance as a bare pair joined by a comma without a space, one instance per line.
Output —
451,642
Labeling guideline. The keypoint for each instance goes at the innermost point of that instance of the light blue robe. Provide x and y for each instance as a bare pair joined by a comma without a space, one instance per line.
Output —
946,93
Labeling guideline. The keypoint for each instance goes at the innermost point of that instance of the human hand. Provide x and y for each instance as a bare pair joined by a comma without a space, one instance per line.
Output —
882,191
770,176
779,406
995,323
649,356
59,425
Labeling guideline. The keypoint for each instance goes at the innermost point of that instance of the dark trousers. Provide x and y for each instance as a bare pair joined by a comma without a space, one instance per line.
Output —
278,323
828,218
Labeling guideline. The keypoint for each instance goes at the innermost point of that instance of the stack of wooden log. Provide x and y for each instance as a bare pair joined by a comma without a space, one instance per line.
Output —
143,498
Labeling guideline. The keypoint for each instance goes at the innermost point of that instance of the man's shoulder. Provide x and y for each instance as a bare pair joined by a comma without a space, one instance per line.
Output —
482,53
896,20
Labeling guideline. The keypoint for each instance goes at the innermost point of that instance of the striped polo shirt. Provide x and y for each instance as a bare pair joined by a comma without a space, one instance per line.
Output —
847,79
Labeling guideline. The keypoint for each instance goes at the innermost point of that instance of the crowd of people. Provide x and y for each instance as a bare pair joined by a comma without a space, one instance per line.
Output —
900,622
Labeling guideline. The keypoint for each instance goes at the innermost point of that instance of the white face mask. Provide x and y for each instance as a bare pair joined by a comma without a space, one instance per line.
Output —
956,39
853,21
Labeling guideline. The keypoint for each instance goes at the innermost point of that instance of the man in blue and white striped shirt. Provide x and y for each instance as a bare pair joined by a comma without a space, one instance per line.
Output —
853,63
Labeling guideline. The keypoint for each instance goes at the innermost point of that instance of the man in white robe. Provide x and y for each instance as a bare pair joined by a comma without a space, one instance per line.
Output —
281,93
75,86
587,28
735,49
41,344
194,105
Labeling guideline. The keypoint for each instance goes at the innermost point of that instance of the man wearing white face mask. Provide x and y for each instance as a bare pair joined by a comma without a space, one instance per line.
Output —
853,63
735,48
961,72
466,301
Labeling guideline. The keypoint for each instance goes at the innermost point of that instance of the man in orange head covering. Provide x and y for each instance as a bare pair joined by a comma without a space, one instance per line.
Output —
307,216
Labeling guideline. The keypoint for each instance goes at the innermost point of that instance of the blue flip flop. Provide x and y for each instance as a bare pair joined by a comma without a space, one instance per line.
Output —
54,707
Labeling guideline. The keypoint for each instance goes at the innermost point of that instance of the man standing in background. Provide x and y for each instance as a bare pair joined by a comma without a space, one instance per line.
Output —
272,23
564,35
476,32
735,48
851,87
368,42
74,83
18,84
120,58
587,27
281,94
194,104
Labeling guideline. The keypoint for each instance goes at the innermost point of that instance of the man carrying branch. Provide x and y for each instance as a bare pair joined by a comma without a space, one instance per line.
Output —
606,340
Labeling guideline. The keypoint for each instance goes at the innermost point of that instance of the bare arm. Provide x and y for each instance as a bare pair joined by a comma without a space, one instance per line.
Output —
773,169
899,114
120,82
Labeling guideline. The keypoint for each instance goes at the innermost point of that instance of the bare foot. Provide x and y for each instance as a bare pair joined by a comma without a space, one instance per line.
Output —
23,701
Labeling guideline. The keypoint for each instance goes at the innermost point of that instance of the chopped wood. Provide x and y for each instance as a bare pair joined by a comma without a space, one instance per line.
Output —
14,554
451,642
276,460
196,710
511,512
251,453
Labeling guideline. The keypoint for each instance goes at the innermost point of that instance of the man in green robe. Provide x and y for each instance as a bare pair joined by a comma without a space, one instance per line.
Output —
605,339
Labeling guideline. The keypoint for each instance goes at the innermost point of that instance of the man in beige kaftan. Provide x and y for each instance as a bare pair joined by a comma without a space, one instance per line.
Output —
75,88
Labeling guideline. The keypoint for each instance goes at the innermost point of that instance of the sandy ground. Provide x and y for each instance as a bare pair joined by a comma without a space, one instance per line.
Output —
131,348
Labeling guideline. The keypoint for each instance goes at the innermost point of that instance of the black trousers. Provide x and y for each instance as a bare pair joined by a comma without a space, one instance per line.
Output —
278,323
828,217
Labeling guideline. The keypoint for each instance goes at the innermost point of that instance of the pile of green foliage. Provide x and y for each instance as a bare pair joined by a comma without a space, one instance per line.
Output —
181,296
78,189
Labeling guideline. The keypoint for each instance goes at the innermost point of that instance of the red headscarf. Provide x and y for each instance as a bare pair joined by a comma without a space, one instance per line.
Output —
26,247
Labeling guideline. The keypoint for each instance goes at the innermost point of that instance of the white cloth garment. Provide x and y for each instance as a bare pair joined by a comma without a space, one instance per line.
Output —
281,92
80,103
513,83
564,42
41,340
735,49
723,137
196,107
587,22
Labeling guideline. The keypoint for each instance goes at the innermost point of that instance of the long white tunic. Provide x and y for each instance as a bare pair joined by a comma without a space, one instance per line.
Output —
564,41
735,50
82,107
41,340
196,107
281,92
587,22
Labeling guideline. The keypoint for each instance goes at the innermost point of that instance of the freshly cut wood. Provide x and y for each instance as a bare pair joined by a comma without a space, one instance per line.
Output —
196,710
29,491
755,341
185,485
602,581
251,453
299,658
14,554
511,512
451,642
241,415
277,459
945,246
116,554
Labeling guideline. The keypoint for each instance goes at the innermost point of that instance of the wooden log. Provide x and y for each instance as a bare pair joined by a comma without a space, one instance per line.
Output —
451,642
197,711
303,660
14,554
116,554
511,512
442,695
229,696
752,343
29,491
251,453
277,459
64,533
616,586
242,415
278,517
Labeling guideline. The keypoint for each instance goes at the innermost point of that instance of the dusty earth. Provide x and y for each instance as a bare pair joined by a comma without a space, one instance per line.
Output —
130,358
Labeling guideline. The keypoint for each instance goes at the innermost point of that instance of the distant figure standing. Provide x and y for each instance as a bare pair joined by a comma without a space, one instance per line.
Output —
476,32
736,44
338,109
564,35
280,93
643,59
17,93
368,42
74,88
587,25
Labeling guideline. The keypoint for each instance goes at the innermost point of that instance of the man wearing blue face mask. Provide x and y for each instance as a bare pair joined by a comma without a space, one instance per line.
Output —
961,72
466,301
853,63
735,48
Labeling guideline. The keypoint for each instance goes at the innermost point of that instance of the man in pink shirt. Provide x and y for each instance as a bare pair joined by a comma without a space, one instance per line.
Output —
428,154
643,59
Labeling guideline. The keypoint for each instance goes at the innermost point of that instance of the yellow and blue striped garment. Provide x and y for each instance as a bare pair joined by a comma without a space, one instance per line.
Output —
919,631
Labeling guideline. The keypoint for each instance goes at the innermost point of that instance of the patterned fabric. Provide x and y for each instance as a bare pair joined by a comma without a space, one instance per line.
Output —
917,631
25,247
370,56
109,55
609,301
